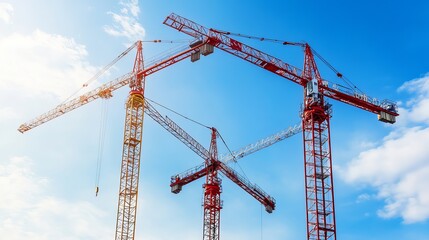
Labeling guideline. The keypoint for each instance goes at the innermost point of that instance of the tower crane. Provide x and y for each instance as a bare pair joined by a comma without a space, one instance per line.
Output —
213,188
212,202
316,114
135,106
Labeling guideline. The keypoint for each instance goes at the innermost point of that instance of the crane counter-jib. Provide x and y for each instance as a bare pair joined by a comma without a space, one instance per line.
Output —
385,109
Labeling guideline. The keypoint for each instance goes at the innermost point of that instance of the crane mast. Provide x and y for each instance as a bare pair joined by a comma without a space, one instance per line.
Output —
130,164
319,188
212,203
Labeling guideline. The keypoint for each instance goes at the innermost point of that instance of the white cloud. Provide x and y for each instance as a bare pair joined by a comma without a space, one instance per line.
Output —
408,198
27,211
418,105
6,11
126,23
394,157
398,166
363,197
133,6
42,63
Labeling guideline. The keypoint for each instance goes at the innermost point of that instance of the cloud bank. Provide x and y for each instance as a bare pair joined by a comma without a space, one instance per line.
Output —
398,166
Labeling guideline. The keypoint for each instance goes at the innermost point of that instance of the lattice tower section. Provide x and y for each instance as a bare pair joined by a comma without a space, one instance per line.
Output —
212,190
129,178
319,187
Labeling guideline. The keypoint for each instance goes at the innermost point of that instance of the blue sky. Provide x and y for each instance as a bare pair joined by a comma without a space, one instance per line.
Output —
49,48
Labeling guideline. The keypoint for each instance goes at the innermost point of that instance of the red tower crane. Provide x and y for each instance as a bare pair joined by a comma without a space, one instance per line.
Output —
319,188
210,168
130,164
212,187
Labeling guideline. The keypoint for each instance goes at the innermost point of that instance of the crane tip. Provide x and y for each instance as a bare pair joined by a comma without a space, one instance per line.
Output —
22,128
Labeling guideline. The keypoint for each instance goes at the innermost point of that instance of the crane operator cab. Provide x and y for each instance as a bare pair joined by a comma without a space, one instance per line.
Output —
312,91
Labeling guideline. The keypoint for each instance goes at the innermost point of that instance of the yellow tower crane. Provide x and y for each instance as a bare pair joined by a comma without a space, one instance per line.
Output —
135,107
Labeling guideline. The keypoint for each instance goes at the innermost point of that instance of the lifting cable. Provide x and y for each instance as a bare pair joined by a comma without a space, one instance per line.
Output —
119,57
170,41
260,38
226,145
202,205
101,140
244,174
102,71
339,75
183,116
230,152
199,123
168,53
262,233
203,125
